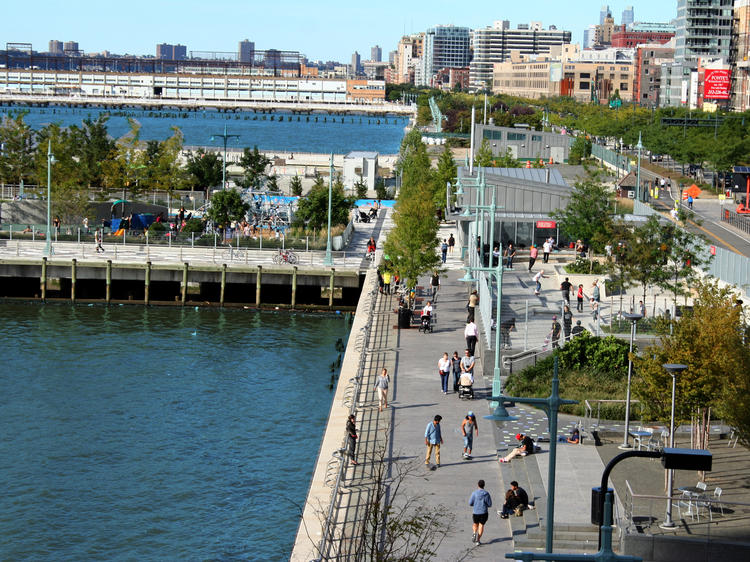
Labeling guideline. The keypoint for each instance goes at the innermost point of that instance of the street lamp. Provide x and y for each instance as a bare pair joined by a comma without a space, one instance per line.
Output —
328,260
639,146
225,137
673,369
633,318
50,161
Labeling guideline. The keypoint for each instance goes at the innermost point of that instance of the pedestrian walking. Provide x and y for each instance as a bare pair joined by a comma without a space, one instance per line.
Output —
435,284
546,249
351,431
595,293
555,332
467,363
510,253
579,298
472,305
690,202
381,384
470,333
456,366
451,243
538,280
444,370
480,501
433,439
505,329
565,287
533,253
468,428
387,276
642,308
594,309
444,250
98,237
567,322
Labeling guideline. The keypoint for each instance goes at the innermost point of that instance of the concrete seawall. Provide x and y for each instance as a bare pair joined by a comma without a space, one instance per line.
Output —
319,497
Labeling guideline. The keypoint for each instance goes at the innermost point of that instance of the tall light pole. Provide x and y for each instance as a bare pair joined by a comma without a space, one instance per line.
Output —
673,369
50,161
633,318
225,137
639,146
328,260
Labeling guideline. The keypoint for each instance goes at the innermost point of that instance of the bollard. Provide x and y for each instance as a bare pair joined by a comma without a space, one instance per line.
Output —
294,286
258,284
223,283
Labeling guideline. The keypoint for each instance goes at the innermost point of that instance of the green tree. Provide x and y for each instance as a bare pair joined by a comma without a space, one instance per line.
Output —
360,189
587,213
312,209
445,174
165,170
204,170
411,244
579,151
121,169
708,341
254,164
381,191
93,148
647,253
682,255
227,206
484,156
507,160
295,186
17,140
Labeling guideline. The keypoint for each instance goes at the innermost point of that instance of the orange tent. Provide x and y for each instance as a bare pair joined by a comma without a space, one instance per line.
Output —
693,191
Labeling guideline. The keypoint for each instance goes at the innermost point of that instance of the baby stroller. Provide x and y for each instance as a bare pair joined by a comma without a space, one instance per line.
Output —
465,387
363,217
426,324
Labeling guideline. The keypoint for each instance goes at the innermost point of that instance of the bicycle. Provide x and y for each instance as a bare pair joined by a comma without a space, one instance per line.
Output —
285,256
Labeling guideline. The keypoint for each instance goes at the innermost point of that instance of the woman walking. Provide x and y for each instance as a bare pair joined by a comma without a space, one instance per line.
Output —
444,368
456,364
468,427
381,384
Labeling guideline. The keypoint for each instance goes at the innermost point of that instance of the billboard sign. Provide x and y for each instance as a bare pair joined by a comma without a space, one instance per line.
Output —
716,84
546,224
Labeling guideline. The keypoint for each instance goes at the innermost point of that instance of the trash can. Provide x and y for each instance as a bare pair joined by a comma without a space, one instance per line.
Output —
404,317
597,505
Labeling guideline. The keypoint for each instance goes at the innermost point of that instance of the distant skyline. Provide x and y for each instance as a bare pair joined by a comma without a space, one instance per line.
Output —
322,30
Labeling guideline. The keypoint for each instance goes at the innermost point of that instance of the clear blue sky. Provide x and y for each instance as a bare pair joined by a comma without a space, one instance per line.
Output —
320,29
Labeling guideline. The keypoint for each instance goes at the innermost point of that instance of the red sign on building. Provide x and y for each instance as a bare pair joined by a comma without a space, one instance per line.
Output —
546,224
716,84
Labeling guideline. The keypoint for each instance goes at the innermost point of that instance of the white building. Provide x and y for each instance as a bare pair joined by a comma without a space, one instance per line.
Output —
358,166
445,46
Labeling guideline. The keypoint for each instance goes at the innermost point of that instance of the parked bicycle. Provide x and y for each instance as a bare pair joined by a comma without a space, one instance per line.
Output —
285,256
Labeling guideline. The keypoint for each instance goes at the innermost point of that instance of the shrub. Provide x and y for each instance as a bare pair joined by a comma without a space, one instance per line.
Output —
157,228
582,266
193,225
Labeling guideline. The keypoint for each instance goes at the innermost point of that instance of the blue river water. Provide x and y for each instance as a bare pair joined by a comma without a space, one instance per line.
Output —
132,433
317,133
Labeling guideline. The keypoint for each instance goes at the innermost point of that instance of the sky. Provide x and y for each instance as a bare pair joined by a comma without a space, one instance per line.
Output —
320,29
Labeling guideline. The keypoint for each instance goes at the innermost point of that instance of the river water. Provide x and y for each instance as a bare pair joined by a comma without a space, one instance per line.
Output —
145,433
317,133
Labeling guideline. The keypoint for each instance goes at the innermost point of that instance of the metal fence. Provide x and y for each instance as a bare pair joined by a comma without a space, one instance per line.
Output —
741,222
615,159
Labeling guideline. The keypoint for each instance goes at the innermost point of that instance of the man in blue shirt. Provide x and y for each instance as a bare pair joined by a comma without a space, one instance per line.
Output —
481,501
433,439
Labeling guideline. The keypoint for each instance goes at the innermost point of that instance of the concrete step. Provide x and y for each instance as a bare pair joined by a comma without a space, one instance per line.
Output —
559,545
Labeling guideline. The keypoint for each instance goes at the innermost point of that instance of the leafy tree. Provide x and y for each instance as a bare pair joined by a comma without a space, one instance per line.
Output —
17,143
507,160
484,156
254,165
295,186
204,170
272,182
164,168
708,341
586,216
312,209
360,189
411,243
445,174
227,206
93,147
120,170
579,151
381,191
620,264
647,253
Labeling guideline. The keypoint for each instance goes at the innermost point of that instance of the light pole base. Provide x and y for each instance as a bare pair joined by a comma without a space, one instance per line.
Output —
668,525
625,446
500,413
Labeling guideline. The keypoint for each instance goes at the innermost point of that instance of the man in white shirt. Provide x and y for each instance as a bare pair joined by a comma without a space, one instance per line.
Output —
546,249
470,333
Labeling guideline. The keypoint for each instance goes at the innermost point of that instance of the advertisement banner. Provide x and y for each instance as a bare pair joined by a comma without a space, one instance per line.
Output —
716,84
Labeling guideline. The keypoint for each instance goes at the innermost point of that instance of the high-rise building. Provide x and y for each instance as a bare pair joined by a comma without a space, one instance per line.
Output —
494,44
376,53
589,36
70,47
740,59
703,31
55,47
444,47
166,51
628,16
246,51
356,64
392,57
408,55
604,32
603,13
